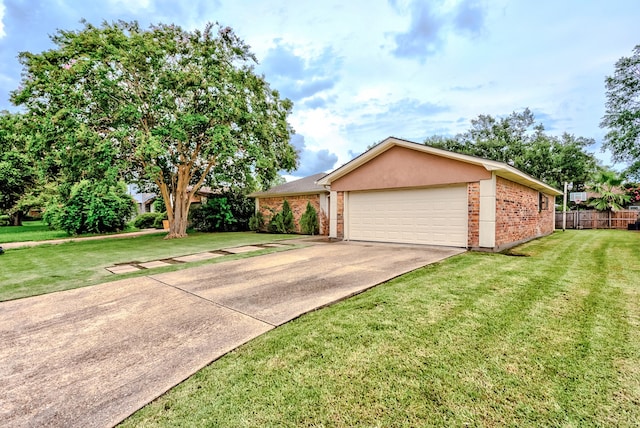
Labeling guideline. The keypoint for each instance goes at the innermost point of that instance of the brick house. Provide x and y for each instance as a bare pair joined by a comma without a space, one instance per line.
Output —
298,193
405,192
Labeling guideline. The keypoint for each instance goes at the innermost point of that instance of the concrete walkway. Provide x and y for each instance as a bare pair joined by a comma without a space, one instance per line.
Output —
90,357
11,245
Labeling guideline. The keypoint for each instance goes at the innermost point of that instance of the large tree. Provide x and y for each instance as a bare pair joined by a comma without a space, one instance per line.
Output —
519,141
17,172
174,108
622,115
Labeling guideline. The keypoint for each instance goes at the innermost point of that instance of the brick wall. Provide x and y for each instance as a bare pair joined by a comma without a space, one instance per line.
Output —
298,204
517,215
340,215
473,203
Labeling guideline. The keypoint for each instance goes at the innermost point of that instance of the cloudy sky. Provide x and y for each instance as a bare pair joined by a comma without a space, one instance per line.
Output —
359,71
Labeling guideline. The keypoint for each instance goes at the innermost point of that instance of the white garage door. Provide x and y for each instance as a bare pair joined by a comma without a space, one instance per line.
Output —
434,216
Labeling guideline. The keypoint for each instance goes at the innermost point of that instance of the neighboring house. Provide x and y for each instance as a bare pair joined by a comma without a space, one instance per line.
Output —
298,193
144,201
405,192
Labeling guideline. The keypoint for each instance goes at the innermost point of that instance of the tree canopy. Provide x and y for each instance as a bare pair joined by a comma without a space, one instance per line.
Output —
519,141
174,108
622,115
17,172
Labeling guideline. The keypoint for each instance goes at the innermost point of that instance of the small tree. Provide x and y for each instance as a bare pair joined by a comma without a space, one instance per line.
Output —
309,221
611,198
215,215
256,222
91,208
282,221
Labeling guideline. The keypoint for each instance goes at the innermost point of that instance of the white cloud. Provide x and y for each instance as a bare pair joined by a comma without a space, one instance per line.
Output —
2,10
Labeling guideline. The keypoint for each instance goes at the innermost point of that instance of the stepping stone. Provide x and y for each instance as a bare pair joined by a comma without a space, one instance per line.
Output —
197,257
123,269
154,264
273,245
245,249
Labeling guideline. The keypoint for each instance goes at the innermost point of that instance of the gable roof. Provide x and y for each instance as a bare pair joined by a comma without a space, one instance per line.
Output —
303,186
501,169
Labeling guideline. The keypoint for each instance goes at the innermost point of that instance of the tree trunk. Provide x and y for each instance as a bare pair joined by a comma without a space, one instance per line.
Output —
16,219
181,203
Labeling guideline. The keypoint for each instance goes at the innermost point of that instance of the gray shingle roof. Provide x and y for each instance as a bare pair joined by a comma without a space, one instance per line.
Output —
302,186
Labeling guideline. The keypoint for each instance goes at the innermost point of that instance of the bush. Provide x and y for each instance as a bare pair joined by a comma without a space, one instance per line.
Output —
256,222
4,220
282,221
157,223
227,212
213,216
309,221
92,207
146,220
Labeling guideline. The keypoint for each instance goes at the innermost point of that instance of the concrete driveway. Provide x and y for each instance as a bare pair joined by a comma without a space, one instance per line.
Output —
90,357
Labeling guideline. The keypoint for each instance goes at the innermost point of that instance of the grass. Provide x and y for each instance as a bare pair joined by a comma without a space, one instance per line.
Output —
53,267
549,339
29,231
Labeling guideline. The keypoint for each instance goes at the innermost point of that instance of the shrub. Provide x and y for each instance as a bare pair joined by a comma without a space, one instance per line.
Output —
309,221
157,223
4,220
146,220
92,207
256,222
282,221
215,215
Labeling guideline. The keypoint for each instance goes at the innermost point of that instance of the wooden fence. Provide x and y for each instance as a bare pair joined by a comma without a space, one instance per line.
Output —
591,219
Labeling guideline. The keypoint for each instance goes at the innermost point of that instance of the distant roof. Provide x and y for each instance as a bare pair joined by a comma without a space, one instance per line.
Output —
303,186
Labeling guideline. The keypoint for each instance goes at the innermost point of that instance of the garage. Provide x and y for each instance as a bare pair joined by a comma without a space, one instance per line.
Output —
433,216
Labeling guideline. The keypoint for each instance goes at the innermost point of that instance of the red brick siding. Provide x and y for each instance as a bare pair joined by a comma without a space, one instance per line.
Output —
340,215
298,204
473,203
517,215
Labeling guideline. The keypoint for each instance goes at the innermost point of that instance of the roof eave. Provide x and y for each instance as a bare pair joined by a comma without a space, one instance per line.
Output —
277,195
500,168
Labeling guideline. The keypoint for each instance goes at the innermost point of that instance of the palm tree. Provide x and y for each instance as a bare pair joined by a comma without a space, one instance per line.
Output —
611,198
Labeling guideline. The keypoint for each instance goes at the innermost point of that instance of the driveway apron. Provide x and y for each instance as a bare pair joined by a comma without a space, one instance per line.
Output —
90,357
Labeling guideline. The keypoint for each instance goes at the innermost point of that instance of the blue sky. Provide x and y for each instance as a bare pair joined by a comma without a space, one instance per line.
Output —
359,71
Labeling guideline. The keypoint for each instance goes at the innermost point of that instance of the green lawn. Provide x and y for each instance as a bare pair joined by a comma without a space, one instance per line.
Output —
29,231
548,339
54,267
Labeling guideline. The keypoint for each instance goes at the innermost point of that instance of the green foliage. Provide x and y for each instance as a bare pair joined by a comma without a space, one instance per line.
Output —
17,171
159,206
176,108
213,216
610,197
309,221
622,115
282,221
158,223
92,207
147,220
518,141
256,222
4,220
227,212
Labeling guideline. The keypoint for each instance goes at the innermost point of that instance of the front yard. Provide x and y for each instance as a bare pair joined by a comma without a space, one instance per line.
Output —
47,268
550,337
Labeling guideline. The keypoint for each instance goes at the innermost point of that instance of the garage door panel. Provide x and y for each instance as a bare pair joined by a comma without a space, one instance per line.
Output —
436,216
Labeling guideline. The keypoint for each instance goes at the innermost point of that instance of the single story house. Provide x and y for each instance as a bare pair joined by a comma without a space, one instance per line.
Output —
298,193
404,192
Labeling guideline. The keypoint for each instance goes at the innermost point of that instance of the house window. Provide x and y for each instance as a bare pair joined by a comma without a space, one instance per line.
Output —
543,202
